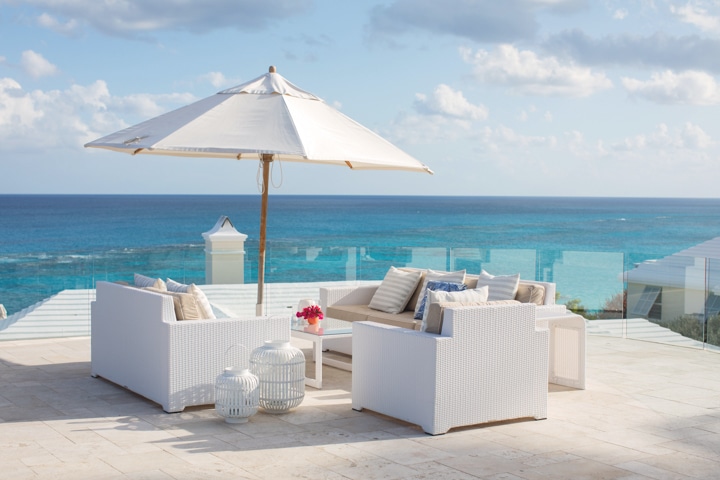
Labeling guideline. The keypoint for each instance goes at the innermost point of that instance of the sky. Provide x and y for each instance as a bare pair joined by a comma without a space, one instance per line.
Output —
513,97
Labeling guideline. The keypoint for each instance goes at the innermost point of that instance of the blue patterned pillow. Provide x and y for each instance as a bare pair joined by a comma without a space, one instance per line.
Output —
439,286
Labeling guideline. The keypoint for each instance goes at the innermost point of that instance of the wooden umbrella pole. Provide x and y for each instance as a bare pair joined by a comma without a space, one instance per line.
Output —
266,159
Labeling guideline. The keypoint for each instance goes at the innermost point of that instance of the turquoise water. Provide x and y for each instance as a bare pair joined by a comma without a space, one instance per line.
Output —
52,242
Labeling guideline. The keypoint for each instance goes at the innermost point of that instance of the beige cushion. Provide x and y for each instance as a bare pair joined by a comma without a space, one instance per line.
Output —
436,312
530,293
206,310
466,296
361,313
349,313
395,290
451,277
185,304
143,281
414,299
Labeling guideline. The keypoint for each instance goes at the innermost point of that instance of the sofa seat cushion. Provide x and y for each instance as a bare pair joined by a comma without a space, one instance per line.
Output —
361,313
403,319
349,313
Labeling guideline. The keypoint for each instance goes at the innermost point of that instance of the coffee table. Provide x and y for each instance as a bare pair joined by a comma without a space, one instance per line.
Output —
326,328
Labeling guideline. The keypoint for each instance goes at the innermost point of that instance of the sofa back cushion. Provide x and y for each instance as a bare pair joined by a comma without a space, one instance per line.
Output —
144,281
185,305
528,291
206,310
502,287
531,293
395,290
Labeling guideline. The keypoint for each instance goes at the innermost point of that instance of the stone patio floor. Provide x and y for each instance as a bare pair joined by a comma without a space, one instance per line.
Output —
650,411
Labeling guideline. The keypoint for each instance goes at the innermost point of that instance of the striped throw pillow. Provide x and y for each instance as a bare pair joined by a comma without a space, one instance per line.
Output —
502,287
395,290
143,281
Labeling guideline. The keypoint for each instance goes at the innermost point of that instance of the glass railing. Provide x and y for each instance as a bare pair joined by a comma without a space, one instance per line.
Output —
676,300
673,299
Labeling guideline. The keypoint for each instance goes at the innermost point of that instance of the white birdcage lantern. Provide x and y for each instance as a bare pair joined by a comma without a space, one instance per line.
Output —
237,393
280,367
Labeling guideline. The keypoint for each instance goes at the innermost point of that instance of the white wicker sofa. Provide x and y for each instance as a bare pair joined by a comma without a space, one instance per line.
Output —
490,363
567,352
351,303
137,343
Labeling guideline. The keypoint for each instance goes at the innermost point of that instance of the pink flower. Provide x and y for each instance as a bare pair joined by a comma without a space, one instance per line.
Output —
310,312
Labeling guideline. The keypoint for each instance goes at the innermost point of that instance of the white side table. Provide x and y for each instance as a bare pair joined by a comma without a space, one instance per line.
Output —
328,327
567,346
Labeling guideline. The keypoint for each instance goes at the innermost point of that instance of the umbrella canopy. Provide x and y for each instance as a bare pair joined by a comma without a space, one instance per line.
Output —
267,118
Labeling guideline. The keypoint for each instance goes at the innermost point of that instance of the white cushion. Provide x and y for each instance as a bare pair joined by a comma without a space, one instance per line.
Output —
206,309
475,295
450,277
395,291
143,281
502,287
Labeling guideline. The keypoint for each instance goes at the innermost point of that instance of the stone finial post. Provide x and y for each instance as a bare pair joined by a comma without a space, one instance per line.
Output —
224,253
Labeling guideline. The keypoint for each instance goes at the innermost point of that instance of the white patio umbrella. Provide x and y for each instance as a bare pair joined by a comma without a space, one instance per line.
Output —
269,119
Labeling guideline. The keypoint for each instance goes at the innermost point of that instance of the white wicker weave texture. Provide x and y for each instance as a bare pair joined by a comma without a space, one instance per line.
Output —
137,343
490,364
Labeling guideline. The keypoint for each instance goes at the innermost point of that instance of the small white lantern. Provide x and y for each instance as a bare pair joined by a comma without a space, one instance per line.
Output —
280,367
237,394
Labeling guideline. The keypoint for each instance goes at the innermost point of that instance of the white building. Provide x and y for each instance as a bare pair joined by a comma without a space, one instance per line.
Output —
684,283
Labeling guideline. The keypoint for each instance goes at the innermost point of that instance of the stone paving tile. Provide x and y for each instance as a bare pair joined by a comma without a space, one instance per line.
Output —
650,412
685,464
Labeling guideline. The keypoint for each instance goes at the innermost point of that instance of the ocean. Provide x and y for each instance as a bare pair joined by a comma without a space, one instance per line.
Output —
52,242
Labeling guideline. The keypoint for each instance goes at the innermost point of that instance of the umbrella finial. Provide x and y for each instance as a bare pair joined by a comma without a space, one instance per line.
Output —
272,69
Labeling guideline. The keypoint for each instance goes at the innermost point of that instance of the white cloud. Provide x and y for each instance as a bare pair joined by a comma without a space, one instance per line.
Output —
68,28
423,129
527,73
216,79
16,108
145,105
36,65
66,119
690,88
699,14
620,14
449,103
662,139
503,137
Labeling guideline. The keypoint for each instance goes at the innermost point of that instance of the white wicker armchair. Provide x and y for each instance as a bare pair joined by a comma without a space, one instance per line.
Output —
489,364
137,343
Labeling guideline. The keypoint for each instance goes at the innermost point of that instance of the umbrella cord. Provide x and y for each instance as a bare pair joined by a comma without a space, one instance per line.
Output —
258,178
258,175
